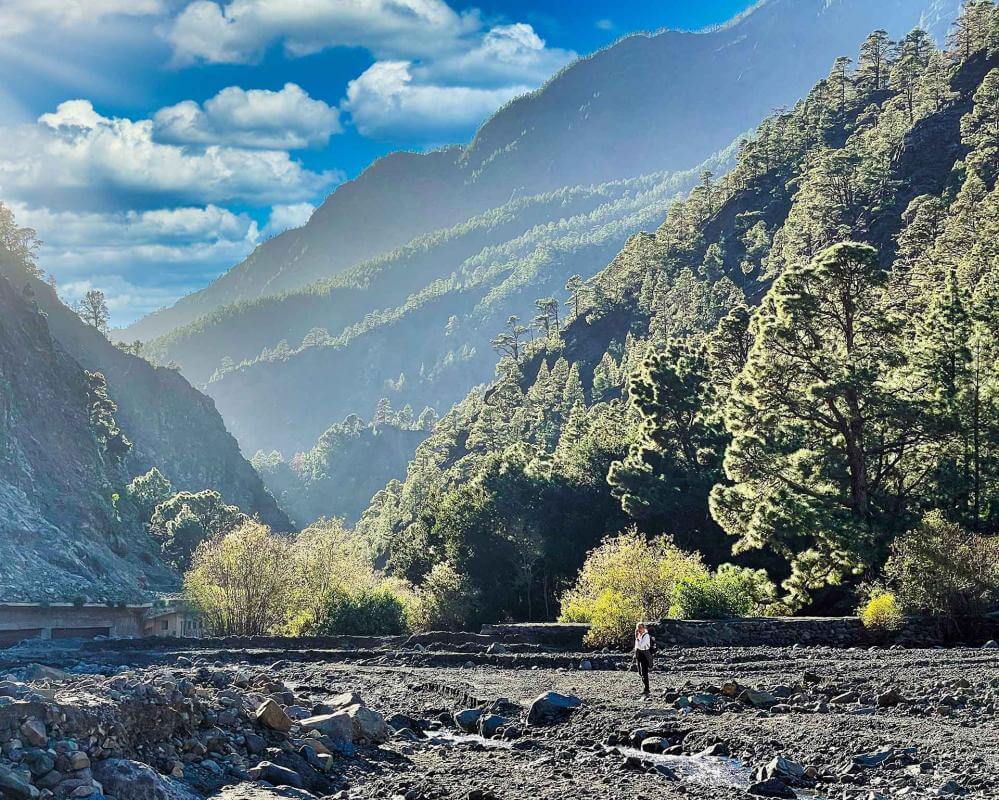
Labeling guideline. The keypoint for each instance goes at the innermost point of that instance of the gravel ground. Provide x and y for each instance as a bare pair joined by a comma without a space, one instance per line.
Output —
947,714
826,723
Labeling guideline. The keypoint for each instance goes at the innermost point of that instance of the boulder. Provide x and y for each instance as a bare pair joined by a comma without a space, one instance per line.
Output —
272,716
346,700
468,719
785,770
489,724
34,731
890,698
130,780
276,775
772,787
551,708
14,787
368,726
757,699
338,727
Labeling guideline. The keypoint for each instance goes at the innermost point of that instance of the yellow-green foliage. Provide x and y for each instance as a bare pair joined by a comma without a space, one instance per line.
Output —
240,581
322,582
444,600
625,580
881,612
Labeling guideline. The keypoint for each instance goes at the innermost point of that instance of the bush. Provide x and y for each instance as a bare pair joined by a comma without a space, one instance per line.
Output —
445,600
627,579
241,582
881,612
730,592
942,570
372,612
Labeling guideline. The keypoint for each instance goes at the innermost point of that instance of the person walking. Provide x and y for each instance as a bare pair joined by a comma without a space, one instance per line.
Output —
643,654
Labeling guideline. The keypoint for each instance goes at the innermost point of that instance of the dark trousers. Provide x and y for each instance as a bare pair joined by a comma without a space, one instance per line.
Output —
644,658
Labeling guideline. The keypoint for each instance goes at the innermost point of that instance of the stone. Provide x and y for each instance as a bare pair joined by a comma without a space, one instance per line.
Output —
784,769
497,649
346,700
991,644
551,708
368,726
654,744
79,760
950,789
255,744
845,698
14,787
130,780
34,731
41,672
586,665
276,775
272,716
757,699
772,787
468,719
338,727
889,699
489,725
717,750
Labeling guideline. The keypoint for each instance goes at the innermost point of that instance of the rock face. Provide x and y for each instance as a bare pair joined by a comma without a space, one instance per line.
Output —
130,780
551,708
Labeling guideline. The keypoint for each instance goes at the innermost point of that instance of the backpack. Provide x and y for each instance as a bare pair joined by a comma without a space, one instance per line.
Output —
653,647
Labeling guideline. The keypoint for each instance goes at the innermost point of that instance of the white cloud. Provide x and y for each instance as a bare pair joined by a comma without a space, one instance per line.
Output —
257,118
385,101
142,260
241,30
285,217
18,17
505,55
77,158
451,95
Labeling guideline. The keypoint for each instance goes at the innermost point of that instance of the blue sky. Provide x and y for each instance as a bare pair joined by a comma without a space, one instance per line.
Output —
154,143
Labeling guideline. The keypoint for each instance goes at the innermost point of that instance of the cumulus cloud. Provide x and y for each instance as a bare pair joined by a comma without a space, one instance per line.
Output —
286,217
386,101
241,30
76,158
453,94
257,118
142,260
18,17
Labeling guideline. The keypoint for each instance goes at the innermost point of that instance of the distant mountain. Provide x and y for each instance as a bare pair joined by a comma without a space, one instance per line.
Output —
649,103
595,156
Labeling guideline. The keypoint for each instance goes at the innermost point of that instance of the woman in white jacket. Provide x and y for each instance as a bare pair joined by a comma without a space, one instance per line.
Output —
643,654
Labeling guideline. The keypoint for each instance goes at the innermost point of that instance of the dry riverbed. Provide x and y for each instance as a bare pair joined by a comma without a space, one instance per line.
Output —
393,723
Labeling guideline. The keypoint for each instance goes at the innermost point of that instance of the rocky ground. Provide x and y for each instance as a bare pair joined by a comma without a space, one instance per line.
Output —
462,719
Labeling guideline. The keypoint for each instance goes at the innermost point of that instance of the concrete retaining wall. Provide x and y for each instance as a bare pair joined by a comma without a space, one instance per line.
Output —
19,622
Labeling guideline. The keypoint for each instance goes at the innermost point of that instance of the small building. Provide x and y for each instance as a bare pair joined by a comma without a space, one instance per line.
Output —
21,621
173,616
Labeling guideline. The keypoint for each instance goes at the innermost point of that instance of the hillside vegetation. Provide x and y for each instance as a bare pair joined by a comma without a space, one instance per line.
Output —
800,364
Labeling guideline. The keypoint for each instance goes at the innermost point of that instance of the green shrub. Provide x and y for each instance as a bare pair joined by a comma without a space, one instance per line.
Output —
625,580
942,570
730,592
881,612
372,612
444,601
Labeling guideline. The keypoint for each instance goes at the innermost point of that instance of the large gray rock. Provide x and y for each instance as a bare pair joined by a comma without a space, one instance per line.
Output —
468,719
272,716
552,707
130,780
14,787
276,775
772,787
338,726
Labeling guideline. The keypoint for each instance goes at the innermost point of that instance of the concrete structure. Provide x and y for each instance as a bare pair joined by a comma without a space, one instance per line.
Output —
173,617
20,621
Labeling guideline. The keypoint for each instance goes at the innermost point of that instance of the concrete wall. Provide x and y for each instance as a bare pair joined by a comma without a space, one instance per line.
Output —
67,621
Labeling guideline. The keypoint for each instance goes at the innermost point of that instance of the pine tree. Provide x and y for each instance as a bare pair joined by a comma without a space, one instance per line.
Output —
875,61
980,128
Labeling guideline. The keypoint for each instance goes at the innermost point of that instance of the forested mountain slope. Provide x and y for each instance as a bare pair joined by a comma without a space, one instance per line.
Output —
673,98
62,535
798,364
